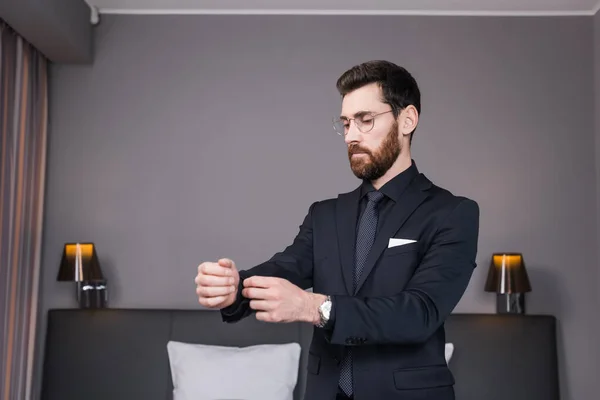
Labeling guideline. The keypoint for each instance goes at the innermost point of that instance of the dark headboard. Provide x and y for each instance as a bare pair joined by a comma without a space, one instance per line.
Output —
510,357
121,354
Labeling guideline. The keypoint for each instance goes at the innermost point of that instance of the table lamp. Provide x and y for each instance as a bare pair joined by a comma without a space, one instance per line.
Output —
507,277
80,264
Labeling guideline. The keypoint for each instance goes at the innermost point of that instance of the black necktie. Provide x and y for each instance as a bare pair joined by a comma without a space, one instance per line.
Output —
364,240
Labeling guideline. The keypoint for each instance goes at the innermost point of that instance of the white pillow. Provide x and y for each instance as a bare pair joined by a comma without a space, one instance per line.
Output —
449,350
260,372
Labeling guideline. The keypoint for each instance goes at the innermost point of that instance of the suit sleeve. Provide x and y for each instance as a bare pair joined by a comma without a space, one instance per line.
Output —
294,263
414,314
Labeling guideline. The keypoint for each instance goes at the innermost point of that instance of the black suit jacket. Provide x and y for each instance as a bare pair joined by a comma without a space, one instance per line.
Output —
395,319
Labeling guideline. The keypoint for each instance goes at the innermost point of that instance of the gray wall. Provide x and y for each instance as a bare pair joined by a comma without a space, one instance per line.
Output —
193,138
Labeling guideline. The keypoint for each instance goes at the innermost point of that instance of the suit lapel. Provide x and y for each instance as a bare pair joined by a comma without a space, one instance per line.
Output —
414,195
346,215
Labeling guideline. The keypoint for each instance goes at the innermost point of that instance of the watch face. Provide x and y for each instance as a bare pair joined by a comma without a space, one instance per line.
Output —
326,308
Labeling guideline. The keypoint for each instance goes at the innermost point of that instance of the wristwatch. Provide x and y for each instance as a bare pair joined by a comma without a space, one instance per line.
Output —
324,312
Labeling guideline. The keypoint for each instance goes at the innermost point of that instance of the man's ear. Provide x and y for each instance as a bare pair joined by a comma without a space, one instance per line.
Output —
408,120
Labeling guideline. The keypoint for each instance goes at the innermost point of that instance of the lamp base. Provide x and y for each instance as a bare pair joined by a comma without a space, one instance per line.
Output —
510,303
92,294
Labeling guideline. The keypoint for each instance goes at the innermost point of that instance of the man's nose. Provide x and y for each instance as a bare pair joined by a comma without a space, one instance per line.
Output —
353,134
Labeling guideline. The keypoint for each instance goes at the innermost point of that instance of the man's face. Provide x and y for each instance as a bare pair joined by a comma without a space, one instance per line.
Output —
370,153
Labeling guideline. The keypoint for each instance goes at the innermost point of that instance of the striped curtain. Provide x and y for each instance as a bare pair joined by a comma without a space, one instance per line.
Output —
23,117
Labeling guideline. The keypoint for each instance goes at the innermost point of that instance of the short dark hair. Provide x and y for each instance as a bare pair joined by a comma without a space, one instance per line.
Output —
398,86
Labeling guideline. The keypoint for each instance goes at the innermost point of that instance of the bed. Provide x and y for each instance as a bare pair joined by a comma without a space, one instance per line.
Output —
122,353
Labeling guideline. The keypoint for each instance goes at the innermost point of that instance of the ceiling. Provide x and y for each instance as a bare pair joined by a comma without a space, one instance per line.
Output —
422,7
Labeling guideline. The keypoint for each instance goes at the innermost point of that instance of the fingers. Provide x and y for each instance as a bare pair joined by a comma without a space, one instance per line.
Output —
210,268
264,316
226,262
258,293
214,291
212,280
211,301
216,283
262,287
262,305
261,281
269,316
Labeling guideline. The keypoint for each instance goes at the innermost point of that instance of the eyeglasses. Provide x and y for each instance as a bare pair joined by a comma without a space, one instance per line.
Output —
364,121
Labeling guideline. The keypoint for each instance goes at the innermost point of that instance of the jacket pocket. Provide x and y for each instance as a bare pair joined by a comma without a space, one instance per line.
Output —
405,248
423,377
314,364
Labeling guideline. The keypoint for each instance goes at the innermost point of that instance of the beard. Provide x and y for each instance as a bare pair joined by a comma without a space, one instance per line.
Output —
375,164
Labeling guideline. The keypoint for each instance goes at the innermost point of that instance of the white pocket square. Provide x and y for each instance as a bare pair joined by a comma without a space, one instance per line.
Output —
399,242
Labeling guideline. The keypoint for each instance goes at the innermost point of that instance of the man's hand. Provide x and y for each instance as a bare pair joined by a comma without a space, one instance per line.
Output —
217,283
278,300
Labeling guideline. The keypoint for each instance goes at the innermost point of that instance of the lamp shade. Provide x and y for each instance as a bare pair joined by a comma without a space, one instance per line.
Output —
79,263
507,274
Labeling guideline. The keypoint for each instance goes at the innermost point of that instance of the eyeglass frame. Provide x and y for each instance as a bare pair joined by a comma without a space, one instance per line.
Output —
362,114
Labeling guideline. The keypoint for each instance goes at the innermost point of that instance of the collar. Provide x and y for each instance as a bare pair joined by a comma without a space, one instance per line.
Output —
396,186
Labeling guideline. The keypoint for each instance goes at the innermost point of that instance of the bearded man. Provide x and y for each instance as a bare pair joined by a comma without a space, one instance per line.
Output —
387,262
